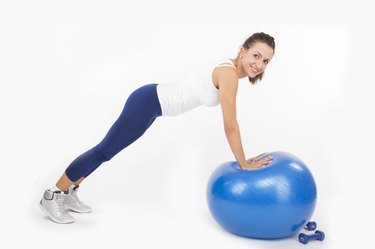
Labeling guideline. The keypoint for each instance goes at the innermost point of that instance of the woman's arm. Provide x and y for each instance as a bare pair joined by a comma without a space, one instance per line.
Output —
228,86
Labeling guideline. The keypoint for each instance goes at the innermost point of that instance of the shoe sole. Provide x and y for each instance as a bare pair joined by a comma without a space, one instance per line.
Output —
78,211
51,217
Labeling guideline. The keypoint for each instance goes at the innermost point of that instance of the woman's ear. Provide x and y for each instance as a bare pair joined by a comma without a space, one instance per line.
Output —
242,52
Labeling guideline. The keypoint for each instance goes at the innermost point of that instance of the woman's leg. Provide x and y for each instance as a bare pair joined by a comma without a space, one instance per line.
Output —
140,111
79,181
64,183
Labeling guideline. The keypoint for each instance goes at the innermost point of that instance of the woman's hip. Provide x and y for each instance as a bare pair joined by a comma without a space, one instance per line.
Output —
144,101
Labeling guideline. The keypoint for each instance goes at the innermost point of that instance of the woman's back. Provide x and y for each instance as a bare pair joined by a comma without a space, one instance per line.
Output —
194,90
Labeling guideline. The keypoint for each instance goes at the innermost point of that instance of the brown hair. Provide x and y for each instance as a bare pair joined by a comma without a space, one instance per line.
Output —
259,37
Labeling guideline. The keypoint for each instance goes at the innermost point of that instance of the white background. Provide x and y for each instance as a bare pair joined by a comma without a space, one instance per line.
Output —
67,67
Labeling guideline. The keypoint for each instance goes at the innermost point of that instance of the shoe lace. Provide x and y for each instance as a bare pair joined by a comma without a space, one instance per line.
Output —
60,203
73,194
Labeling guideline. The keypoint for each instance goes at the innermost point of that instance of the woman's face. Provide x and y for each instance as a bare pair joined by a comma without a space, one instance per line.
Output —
256,58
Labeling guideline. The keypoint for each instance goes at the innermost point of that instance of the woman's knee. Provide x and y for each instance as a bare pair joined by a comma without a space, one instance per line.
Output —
101,155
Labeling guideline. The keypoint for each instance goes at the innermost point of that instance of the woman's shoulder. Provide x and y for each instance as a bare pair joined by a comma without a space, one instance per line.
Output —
222,70
214,66
223,66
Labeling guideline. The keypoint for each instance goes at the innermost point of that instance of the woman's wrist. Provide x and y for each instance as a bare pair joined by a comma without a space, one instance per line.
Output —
243,164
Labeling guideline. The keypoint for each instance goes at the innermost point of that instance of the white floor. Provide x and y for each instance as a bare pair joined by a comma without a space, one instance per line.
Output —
121,219
145,226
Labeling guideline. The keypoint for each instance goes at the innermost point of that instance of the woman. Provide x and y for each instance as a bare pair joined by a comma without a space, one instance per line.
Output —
213,85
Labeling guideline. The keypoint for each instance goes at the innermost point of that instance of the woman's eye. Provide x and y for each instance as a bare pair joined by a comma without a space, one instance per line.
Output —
256,56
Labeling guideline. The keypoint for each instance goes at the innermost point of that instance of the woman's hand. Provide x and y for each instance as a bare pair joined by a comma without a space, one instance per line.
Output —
256,162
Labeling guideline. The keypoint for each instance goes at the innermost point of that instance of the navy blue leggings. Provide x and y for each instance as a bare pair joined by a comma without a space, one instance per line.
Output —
141,109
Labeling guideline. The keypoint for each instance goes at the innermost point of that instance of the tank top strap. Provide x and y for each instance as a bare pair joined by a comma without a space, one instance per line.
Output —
225,63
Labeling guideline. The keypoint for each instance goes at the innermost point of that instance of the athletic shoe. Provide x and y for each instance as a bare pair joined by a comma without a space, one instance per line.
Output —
73,203
52,204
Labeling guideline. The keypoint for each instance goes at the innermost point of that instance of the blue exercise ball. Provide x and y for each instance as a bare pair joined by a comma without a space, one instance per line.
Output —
271,202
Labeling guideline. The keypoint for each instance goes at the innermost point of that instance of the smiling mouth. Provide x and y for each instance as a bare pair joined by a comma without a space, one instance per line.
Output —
254,70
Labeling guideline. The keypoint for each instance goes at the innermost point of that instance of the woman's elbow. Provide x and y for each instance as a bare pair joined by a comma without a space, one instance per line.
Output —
230,127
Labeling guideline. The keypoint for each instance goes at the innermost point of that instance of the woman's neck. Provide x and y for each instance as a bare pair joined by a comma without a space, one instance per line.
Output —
237,64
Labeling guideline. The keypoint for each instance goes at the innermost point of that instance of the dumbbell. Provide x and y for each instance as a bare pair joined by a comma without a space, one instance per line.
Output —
311,225
304,238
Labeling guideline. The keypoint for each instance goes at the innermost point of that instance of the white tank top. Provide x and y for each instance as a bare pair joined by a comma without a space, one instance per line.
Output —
195,90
